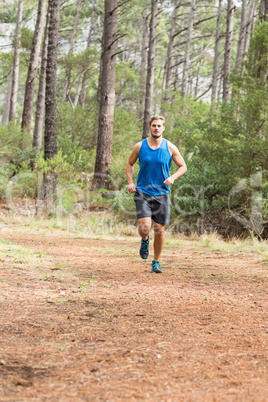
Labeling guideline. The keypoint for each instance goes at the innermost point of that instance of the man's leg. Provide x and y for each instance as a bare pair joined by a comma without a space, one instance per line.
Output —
144,227
159,238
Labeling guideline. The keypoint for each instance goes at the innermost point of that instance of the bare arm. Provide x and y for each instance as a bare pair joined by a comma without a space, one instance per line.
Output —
130,167
178,159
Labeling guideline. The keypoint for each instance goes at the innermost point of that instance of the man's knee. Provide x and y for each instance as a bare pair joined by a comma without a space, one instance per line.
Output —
144,228
159,229
144,225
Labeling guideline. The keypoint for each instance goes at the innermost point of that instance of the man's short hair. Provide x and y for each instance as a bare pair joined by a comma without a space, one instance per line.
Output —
157,118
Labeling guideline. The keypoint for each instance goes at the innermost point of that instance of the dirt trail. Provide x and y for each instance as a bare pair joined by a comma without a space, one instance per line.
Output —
85,320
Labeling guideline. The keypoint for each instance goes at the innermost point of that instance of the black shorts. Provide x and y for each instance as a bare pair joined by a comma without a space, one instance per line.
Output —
156,207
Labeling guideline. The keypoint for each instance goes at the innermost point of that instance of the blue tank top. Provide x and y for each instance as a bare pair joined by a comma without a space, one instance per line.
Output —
154,168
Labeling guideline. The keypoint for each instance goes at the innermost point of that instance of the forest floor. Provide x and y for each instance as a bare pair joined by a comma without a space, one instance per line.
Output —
83,319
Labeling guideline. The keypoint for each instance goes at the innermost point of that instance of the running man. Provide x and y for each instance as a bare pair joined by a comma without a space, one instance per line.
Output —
153,186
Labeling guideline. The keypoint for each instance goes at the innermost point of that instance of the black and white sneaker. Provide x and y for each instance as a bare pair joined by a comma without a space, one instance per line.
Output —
144,250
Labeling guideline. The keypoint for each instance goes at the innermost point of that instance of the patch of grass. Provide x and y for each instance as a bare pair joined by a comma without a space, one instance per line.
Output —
41,255
58,267
82,286
211,275
15,252
106,225
45,278
254,245
174,241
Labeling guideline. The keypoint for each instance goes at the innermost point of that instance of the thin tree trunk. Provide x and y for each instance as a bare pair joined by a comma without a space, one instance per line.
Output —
101,72
169,59
85,74
107,96
167,76
40,104
190,79
67,82
178,60
198,76
263,11
220,88
228,50
242,35
249,26
187,50
16,64
51,147
150,69
5,117
216,60
78,90
144,59
33,66
144,43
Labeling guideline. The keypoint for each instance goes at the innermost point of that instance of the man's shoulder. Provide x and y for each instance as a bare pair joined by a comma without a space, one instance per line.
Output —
172,147
137,146
170,143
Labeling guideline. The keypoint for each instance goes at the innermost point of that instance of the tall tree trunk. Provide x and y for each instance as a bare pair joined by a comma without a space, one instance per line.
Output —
101,72
78,90
144,59
220,87
178,59
187,50
216,60
198,76
249,26
40,104
67,82
242,35
144,43
107,96
16,64
190,79
228,50
51,147
263,10
150,69
33,66
5,116
85,74
167,76
169,59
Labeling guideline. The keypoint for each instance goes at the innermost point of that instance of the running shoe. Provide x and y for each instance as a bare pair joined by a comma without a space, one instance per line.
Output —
144,250
156,267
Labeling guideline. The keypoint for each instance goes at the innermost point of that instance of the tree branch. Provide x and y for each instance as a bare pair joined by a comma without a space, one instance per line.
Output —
195,24
119,37
204,93
119,5
121,51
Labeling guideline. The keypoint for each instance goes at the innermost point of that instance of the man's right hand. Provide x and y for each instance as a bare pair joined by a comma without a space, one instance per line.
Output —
131,188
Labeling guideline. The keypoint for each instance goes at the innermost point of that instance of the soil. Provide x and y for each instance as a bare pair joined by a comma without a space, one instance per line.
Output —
84,319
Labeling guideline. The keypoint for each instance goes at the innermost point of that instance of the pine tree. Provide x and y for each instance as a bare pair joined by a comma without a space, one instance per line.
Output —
107,96
51,147
33,66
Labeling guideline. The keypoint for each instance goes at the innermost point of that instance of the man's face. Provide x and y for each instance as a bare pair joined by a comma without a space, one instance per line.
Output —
157,128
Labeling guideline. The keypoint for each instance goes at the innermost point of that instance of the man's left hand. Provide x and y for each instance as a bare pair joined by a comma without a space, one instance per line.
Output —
169,181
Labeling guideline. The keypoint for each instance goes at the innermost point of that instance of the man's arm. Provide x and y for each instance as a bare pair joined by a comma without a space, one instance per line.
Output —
178,159
130,167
